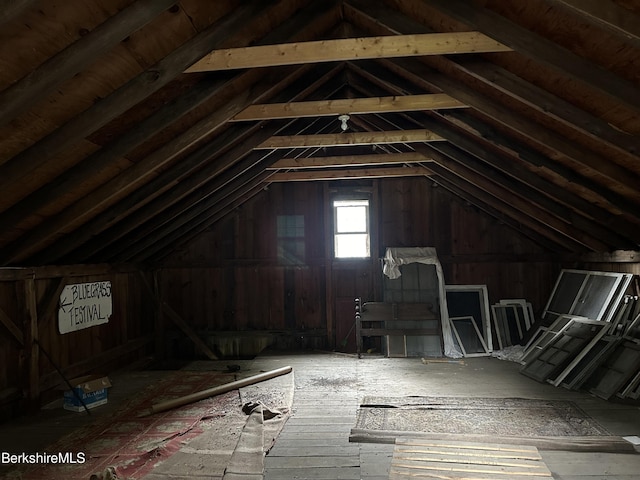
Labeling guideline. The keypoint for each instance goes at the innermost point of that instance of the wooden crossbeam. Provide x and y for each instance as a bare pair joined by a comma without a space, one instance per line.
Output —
349,105
349,139
334,174
348,161
11,326
347,49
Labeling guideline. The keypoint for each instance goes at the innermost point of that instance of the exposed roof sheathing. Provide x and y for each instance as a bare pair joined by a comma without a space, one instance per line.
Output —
141,123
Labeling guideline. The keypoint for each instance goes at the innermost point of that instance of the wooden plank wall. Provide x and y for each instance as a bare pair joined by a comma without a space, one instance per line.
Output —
126,338
229,277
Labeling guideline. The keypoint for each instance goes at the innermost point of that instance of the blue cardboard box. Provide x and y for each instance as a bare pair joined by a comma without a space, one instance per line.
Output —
92,389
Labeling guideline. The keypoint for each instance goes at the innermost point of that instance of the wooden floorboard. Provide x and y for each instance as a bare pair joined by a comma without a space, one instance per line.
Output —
329,389
329,473
313,451
453,460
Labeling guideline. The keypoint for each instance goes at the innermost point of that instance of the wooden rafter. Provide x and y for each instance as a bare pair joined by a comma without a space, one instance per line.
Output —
541,49
414,72
517,208
343,174
43,79
348,161
608,15
378,20
121,214
347,49
350,106
502,212
601,228
349,139
11,327
125,97
540,207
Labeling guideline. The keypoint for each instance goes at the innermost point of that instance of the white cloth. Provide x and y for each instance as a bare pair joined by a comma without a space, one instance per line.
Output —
394,257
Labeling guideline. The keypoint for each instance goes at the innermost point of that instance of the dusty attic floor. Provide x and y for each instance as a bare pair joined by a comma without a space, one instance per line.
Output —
314,443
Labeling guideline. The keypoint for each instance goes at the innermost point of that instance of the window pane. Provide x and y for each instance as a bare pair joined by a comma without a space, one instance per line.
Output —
352,245
351,219
290,225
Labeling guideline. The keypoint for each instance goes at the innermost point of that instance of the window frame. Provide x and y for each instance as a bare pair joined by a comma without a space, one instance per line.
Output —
366,199
284,254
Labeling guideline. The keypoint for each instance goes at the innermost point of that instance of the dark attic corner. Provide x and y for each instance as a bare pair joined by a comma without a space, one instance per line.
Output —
382,239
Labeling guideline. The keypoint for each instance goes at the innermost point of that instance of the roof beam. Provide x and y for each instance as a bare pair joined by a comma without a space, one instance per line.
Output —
43,79
541,50
349,139
344,174
126,96
298,80
565,220
611,228
347,49
401,103
520,209
149,202
368,15
503,212
610,172
608,15
348,161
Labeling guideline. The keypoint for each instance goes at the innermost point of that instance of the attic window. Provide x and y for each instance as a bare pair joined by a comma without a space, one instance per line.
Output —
291,239
351,228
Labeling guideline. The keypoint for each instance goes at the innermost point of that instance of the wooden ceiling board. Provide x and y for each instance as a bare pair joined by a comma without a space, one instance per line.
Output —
459,163
563,195
571,31
127,180
572,132
524,140
132,151
46,29
203,14
450,68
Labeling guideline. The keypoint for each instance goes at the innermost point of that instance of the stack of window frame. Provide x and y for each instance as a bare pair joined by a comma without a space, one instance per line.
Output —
512,319
589,337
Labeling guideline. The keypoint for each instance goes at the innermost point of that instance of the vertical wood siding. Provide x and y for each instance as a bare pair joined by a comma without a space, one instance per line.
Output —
247,289
77,353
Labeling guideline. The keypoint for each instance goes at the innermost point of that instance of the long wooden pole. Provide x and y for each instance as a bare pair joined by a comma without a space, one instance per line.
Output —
212,392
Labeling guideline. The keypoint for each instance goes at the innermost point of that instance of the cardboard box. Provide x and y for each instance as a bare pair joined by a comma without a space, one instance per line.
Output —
92,389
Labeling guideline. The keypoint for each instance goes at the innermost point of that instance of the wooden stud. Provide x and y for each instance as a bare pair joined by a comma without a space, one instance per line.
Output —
31,343
13,329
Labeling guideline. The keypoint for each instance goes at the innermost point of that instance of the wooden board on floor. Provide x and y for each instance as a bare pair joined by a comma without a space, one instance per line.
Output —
417,458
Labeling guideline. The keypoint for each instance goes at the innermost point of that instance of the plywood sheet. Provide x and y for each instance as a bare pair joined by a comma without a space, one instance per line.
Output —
474,461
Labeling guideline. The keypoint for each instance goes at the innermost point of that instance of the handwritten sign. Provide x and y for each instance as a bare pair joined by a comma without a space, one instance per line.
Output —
84,305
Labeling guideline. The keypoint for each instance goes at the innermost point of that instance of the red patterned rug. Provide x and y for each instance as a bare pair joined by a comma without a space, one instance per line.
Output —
133,444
